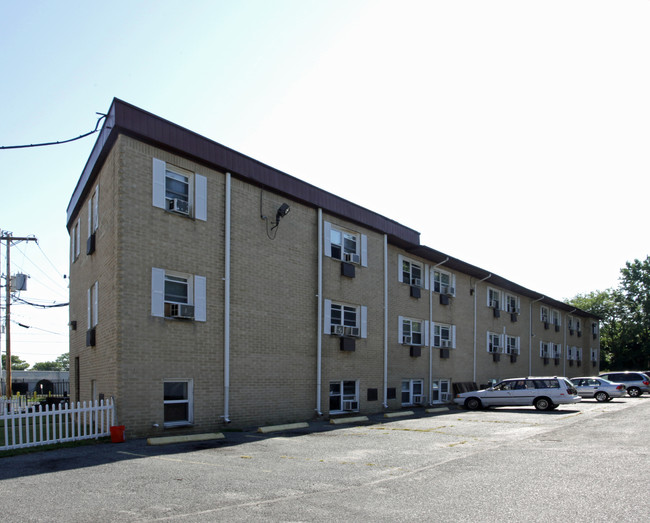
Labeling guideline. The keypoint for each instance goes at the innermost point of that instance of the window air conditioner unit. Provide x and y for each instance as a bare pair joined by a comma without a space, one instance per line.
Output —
352,257
351,331
445,344
350,405
451,291
416,281
179,206
339,330
419,399
406,340
182,311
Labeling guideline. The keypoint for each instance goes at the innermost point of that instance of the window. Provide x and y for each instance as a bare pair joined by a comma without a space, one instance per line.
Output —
412,273
557,350
177,295
544,350
344,319
440,391
344,396
544,315
512,304
347,246
570,353
178,402
412,392
444,282
412,332
493,342
579,353
179,191
594,355
493,298
512,345
75,240
92,306
555,318
444,336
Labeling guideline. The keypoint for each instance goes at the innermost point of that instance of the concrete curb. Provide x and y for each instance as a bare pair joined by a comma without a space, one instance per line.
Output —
342,421
437,409
278,428
399,414
168,440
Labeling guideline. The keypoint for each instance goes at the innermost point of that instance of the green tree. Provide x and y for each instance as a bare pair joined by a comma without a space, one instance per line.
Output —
46,365
624,315
16,363
64,361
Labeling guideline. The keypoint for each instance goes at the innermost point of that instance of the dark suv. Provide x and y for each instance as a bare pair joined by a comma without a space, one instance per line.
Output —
636,383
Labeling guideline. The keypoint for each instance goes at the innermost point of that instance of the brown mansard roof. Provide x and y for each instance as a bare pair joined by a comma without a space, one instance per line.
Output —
124,118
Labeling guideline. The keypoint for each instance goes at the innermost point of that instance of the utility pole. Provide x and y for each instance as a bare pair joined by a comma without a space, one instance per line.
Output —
7,236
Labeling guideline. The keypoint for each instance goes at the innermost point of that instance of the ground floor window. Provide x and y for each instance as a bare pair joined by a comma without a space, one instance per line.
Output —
412,392
178,401
344,396
440,391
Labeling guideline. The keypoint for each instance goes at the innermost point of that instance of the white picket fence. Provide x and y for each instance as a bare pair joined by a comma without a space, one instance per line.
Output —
44,425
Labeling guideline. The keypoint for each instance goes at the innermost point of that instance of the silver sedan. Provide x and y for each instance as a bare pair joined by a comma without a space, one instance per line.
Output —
599,388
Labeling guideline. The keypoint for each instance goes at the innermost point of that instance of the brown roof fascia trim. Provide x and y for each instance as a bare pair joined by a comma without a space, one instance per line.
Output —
452,263
142,125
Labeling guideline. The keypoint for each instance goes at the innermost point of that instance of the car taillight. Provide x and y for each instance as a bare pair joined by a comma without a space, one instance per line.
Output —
646,383
620,387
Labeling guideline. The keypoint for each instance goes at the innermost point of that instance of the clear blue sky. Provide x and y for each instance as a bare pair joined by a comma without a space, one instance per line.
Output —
512,134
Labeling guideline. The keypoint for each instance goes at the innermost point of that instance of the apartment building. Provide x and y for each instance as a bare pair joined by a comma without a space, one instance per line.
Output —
207,288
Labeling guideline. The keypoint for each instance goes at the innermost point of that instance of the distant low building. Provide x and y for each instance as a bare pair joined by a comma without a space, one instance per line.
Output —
39,381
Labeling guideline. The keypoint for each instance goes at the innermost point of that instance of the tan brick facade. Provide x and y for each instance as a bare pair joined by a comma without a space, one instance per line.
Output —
268,351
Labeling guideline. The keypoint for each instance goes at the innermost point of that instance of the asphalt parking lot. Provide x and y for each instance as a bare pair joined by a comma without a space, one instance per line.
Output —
584,462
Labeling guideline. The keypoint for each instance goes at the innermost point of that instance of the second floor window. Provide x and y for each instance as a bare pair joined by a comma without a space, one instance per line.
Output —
412,332
444,336
412,273
342,319
344,245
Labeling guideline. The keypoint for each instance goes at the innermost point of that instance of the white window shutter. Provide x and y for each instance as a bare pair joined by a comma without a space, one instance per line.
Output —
400,263
453,336
453,283
89,304
364,321
364,250
327,320
95,303
400,330
77,247
426,276
96,209
159,168
90,216
425,324
488,342
200,304
201,197
157,292
327,233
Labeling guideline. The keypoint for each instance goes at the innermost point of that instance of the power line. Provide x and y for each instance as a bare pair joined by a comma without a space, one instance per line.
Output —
54,306
102,116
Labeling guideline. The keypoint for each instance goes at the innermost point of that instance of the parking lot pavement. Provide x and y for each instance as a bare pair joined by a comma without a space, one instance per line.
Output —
478,466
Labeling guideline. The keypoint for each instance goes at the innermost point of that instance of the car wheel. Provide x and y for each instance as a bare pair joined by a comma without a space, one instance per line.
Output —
601,396
554,406
610,398
634,392
472,403
543,404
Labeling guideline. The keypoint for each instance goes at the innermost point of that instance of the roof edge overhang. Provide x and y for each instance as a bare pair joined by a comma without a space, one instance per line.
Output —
124,118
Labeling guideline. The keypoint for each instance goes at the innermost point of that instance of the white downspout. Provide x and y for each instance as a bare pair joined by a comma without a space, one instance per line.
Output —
226,315
385,321
319,322
530,335
431,326
475,294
